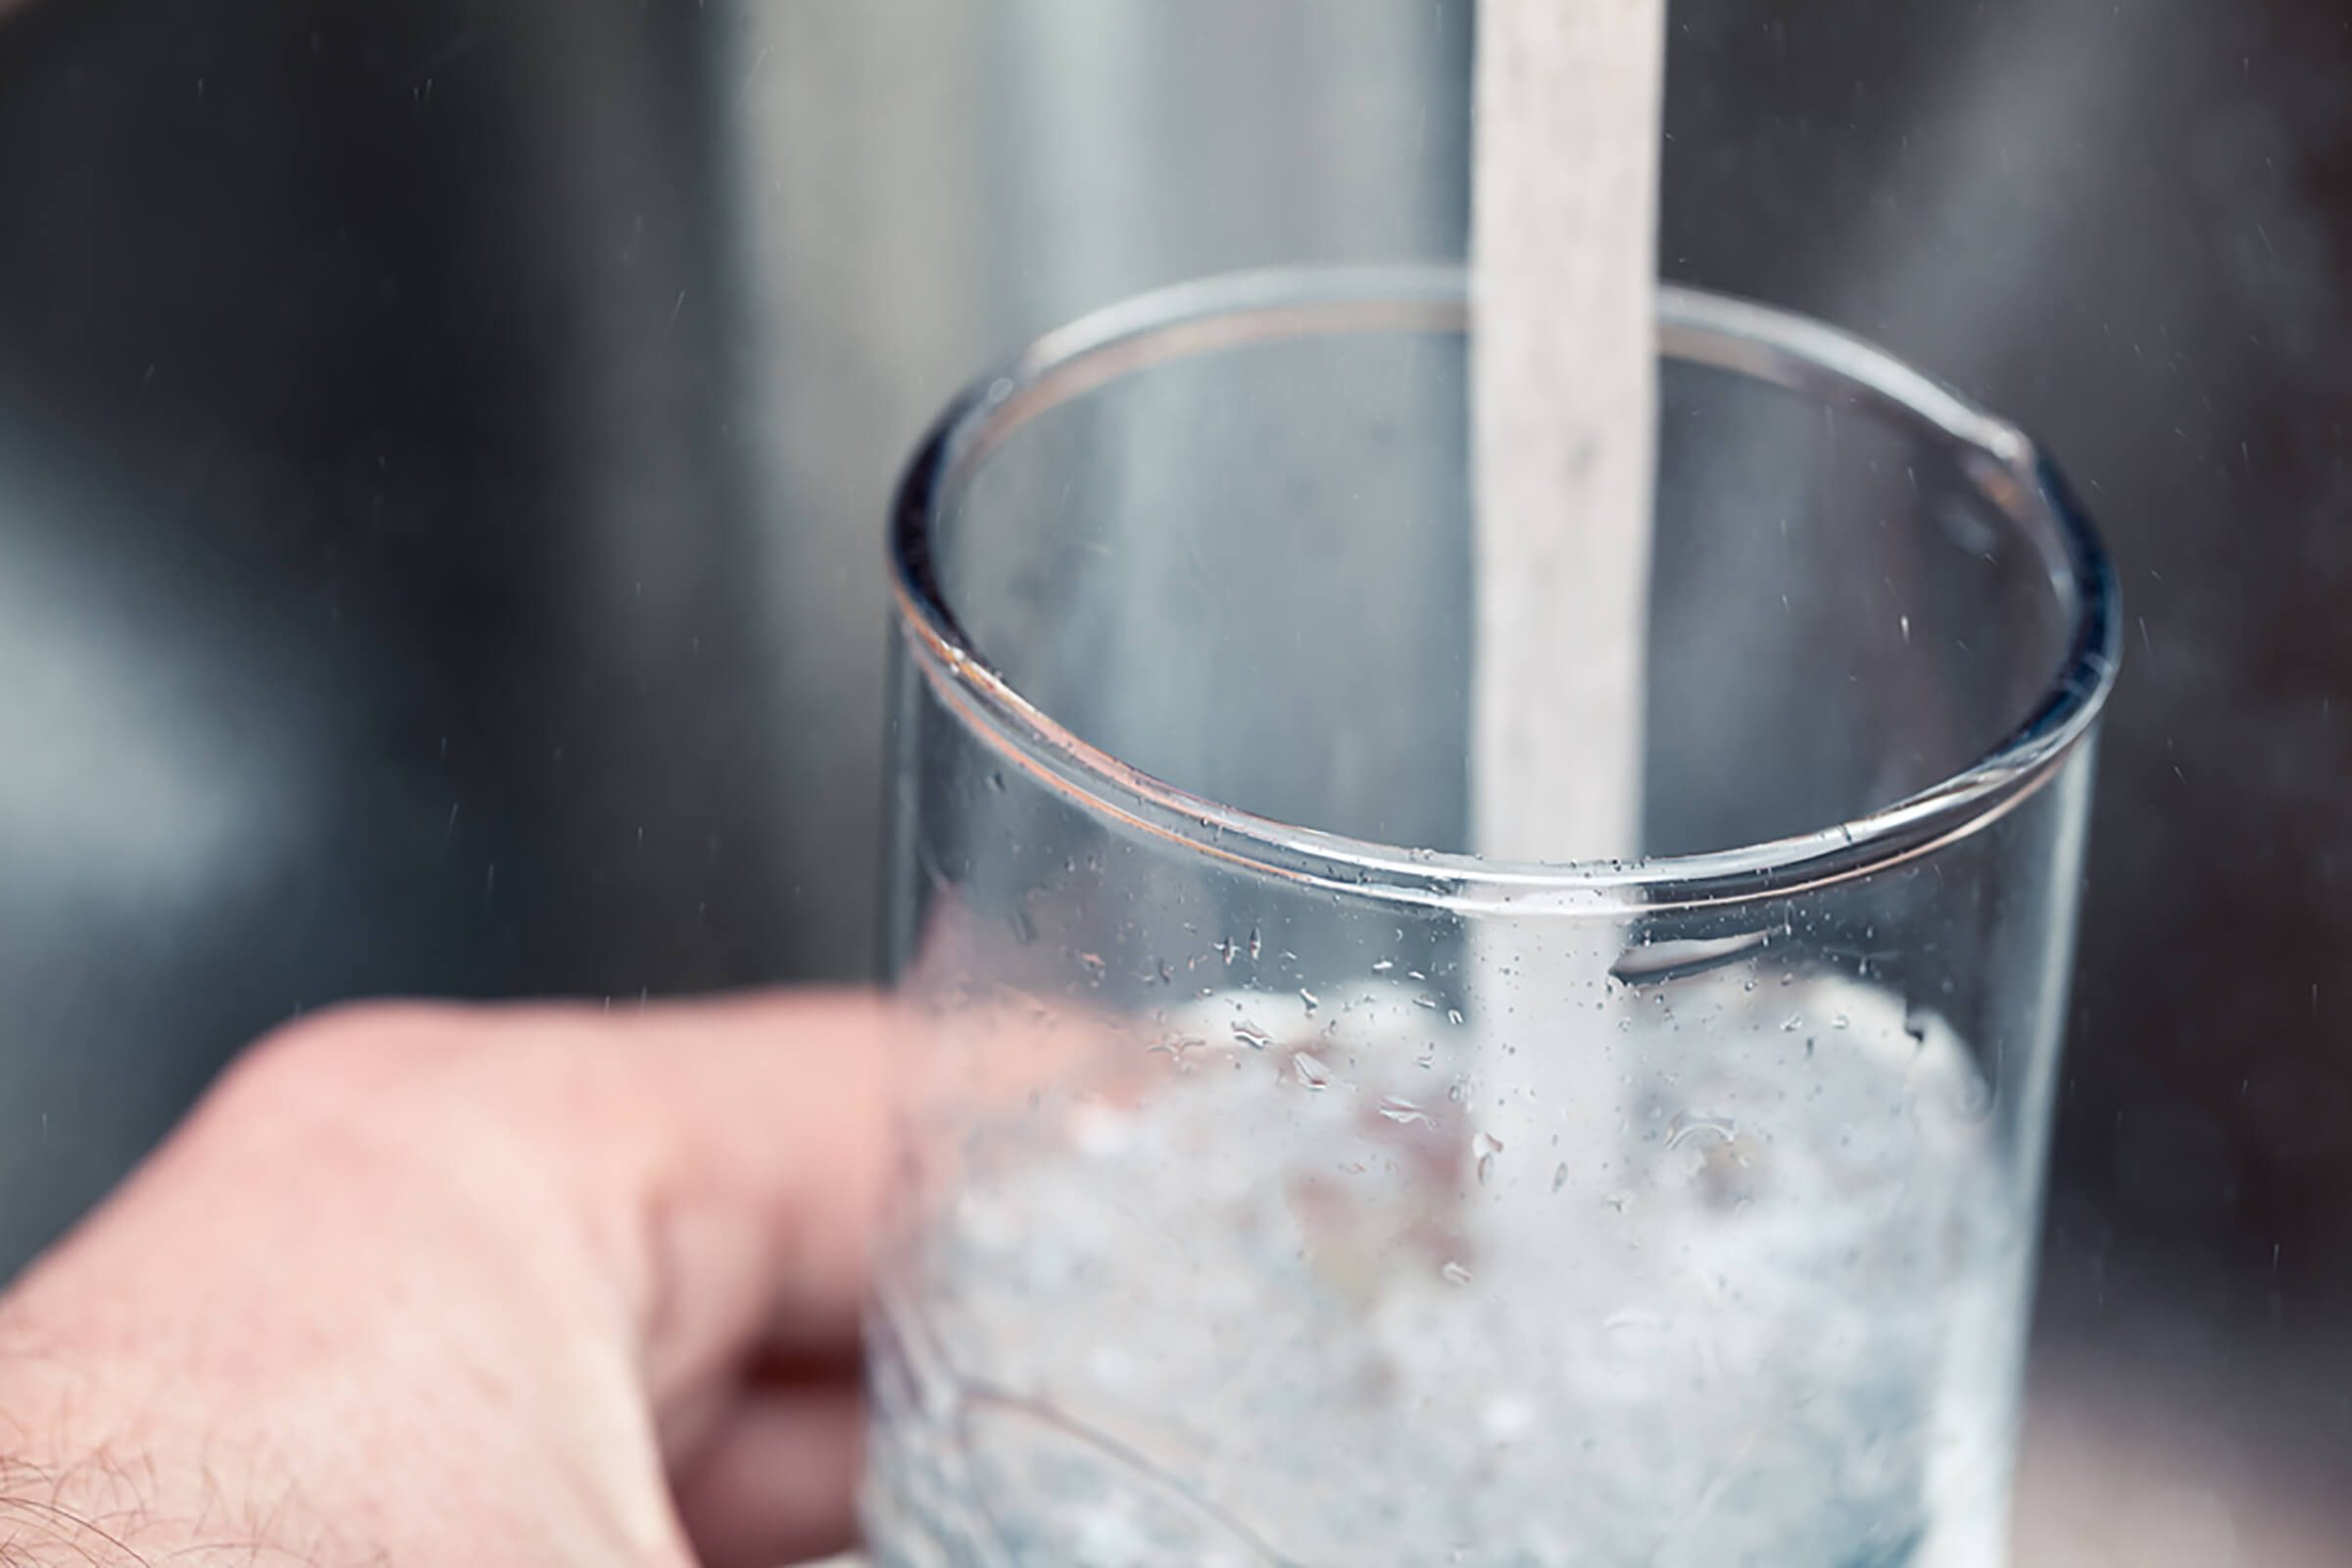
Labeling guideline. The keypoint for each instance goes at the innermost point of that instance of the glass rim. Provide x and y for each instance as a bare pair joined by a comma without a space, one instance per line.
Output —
1739,336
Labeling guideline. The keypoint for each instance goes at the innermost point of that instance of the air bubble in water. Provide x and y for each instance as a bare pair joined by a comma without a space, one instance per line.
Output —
1654,963
1977,1097
1688,1126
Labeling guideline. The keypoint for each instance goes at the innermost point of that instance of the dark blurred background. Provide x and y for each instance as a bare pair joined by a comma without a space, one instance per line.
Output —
442,449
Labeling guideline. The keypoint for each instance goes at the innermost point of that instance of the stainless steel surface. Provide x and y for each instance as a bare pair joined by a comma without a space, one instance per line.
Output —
455,436
921,184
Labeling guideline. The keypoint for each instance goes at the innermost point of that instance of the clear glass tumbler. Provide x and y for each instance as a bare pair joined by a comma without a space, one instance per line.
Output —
1282,1184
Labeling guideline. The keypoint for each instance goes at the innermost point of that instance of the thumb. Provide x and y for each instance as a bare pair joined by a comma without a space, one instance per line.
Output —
472,1275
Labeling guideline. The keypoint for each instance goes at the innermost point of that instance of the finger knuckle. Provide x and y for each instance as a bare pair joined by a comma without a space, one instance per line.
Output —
366,1055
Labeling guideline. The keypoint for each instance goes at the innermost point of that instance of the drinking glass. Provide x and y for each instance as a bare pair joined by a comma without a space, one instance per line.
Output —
1281,1183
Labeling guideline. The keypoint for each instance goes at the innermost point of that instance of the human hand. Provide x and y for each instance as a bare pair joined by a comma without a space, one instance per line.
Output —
440,1286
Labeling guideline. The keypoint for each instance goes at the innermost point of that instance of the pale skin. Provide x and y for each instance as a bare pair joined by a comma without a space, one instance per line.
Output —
443,1285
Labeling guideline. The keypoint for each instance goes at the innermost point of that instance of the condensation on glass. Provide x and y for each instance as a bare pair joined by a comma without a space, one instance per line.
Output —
1281,1184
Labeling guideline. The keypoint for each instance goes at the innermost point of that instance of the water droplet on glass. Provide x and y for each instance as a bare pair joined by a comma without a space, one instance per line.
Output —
1486,1170
1311,1072
1559,1176
1310,999
1454,1274
1251,1035
1256,944
1404,1111
1384,966
995,781
1453,1016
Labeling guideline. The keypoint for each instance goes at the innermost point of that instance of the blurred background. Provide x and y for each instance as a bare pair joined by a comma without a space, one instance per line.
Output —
443,450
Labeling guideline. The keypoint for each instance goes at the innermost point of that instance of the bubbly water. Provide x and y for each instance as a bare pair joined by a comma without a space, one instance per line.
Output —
1287,1299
